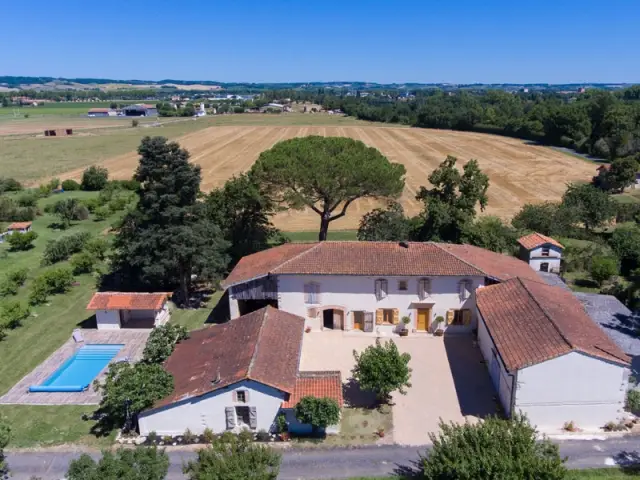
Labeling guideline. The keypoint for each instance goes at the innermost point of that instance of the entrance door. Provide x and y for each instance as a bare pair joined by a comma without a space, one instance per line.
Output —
358,320
424,315
338,319
327,318
544,267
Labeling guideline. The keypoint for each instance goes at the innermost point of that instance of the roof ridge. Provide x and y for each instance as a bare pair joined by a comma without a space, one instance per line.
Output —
458,258
546,314
295,257
255,349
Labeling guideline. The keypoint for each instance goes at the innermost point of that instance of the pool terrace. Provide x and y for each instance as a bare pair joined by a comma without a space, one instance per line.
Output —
133,341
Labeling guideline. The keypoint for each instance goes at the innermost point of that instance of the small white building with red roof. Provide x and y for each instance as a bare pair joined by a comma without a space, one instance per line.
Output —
115,310
542,253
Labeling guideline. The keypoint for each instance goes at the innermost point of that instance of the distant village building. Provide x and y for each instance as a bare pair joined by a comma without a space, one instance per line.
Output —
140,110
101,112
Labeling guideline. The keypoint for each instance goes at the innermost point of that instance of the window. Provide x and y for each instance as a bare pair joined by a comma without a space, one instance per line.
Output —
461,317
545,251
381,288
241,396
544,267
243,416
403,285
424,288
387,316
311,293
464,289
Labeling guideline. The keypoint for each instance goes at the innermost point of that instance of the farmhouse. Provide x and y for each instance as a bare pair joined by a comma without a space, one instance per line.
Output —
239,375
543,253
547,358
543,351
20,227
115,310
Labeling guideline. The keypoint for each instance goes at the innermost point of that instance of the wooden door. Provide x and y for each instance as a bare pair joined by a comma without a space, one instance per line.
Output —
423,319
358,320
338,320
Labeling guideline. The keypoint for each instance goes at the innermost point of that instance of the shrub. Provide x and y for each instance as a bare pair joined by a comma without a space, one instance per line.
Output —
62,248
27,199
69,209
9,185
263,436
70,185
236,458
117,204
162,341
21,241
13,313
141,463
12,281
492,449
167,439
94,178
97,247
132,185
50,282
189,437
102,213
633,401
208,436
3,335
153,437
135,123
281,423
92,204
5,437
82,262
382,369
317,412
603,268
245,435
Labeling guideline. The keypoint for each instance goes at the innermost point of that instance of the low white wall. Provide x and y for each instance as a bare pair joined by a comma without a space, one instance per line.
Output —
108,319
208,411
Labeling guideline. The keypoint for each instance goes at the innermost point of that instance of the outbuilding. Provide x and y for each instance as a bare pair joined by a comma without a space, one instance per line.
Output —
548,359
542,253
19,227
115,310
140,110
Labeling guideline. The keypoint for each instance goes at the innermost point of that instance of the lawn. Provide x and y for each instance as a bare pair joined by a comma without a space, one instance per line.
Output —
313,236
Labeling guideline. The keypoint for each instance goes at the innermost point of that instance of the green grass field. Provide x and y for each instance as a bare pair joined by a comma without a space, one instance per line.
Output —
62,109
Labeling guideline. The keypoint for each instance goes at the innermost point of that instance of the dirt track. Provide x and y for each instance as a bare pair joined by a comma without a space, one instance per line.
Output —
519,173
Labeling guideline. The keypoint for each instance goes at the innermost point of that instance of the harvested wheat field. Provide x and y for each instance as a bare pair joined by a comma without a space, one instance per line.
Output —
519,172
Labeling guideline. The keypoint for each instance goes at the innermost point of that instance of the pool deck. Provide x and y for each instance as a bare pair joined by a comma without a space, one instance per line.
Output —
133,340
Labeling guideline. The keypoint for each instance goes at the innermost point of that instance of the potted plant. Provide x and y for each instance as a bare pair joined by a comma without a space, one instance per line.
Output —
404,330
437,325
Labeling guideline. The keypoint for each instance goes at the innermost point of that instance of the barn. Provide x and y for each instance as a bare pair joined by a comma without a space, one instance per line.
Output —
140,110
548,359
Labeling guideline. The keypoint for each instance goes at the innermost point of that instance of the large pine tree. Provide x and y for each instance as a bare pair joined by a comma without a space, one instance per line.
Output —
166,239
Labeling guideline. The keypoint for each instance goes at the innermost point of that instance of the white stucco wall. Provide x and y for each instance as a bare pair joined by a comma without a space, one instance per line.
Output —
501,379
108,319
534,257
357,293
208,411
574,387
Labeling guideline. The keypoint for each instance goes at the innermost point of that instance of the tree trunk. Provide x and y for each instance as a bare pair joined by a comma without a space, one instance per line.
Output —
324,226
185,277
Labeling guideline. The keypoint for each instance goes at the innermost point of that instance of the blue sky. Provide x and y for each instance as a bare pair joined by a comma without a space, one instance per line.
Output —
457,41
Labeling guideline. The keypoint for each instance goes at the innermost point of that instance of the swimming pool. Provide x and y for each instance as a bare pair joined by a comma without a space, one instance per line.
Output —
79,370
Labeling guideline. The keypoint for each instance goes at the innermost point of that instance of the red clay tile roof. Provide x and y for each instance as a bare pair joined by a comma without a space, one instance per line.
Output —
263,346
19,225
316,384
531,322
492,264
127,301
535,240
352,258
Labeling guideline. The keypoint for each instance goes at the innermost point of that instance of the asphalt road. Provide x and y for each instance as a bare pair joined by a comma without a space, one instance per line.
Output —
341,462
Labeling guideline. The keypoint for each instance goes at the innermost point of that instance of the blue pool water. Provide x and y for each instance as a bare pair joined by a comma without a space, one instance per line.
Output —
79,370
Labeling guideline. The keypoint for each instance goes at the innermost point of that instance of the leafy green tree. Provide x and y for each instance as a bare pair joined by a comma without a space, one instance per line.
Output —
603,268
12,313
491,233
21,241
162,341
617,127
450,205
493,449
548,218
50,282
326,174
82,262
62,248
12,281
382,369
625,242
97,247
568,121
167,238
234,458
94,178
139,386
5,438
592,207
383,225
69,209
140,463
8,184
620,174
317,412
243,212
70,185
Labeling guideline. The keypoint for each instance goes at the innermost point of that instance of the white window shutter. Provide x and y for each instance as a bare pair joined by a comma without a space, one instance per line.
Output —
253,417
385,288
307,293
378,289
230,414
246,396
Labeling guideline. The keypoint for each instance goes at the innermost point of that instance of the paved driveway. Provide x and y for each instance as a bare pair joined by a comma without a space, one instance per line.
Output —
449,382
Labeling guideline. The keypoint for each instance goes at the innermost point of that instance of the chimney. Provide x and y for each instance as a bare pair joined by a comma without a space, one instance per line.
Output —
404,244
217,379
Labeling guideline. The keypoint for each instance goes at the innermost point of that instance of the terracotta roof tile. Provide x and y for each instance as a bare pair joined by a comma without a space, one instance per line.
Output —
492,264
263,346
19,225
531,322
316,384
352,258
535,240
127,301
